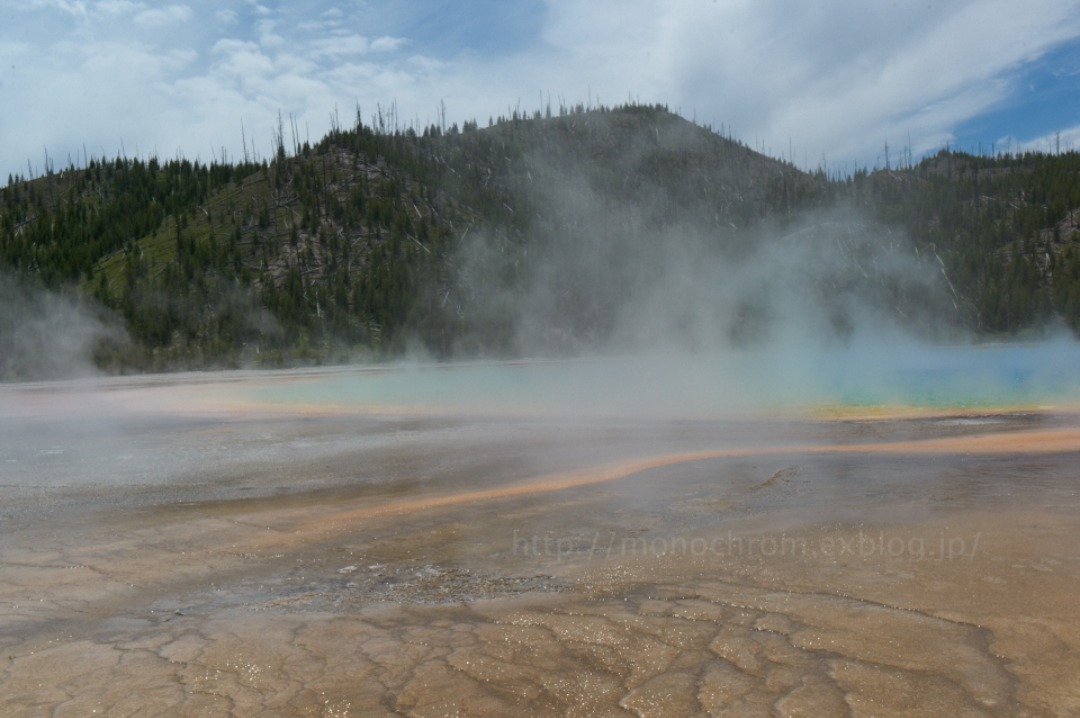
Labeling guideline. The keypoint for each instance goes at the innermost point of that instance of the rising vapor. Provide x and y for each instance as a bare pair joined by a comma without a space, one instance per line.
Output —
50,335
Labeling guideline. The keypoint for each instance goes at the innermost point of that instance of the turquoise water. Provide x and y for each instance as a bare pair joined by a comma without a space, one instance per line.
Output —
973,376
1004,375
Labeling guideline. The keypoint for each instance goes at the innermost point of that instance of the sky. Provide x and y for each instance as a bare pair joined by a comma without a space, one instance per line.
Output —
826,84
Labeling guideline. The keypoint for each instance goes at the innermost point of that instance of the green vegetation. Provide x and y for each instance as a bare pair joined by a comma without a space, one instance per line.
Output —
1005,230
356,247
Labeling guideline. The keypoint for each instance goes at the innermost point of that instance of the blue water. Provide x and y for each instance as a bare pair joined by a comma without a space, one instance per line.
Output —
997,375
1000,376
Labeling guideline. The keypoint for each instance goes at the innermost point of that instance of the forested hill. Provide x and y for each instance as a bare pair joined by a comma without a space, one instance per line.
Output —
528,235
1005,227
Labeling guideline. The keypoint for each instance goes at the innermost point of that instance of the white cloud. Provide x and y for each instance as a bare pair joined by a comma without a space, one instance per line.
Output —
268,34
338,46
72,7
118,7
327,20
240,63
159,17
12,52
834,79
1067,139
387,44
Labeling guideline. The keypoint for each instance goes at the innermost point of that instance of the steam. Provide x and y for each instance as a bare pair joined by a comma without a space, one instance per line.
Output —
50,335
823,308
708,308
830,279
602,274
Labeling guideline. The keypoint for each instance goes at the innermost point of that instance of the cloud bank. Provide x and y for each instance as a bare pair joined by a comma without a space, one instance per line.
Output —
820,84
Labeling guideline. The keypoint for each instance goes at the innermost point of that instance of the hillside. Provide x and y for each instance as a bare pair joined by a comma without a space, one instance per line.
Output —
1004,228
608,228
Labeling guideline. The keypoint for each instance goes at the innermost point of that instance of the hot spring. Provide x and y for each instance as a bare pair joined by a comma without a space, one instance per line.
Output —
873,530
997,376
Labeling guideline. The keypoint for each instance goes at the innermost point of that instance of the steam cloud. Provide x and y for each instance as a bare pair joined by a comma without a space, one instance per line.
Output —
48,335
604,275
715,301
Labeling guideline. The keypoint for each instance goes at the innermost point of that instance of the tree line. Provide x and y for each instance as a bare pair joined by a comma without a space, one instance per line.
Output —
352,247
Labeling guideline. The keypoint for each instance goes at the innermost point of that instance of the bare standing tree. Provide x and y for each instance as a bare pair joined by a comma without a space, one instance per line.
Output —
243,140
279,139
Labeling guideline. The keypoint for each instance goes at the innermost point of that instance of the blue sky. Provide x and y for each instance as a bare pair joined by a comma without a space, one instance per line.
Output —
1044,101
826,83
